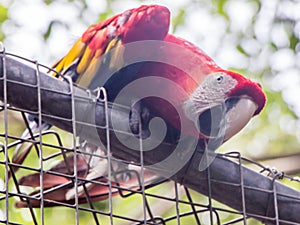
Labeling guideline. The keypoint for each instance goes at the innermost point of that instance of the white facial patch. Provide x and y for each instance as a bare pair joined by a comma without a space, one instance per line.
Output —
213,90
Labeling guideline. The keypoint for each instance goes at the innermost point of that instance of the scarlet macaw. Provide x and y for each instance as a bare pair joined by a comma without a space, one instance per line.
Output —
135,46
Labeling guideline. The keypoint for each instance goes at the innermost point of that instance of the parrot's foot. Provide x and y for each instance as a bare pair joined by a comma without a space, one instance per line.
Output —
139,117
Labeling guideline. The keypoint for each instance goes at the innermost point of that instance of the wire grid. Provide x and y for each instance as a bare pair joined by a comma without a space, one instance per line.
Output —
158,202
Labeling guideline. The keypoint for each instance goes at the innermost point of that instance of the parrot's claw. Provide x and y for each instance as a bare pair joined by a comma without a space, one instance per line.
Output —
139,117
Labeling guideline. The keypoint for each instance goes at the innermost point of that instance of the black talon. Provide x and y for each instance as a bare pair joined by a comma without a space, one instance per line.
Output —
139,113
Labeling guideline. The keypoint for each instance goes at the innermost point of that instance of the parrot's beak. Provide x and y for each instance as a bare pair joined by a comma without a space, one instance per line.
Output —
227,119
238,115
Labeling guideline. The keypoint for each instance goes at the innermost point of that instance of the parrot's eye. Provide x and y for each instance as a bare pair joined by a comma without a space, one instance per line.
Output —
220,79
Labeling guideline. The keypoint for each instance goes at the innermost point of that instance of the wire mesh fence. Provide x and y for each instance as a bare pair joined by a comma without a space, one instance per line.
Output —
95,185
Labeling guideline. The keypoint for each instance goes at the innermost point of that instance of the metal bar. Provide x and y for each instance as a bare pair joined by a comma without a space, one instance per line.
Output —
40,150
4,74
189,197
102,91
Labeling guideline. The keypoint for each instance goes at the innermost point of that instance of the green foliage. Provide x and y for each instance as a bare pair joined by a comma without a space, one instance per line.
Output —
178,19
3,18
294,42
220,8
47,34
242,50
3,13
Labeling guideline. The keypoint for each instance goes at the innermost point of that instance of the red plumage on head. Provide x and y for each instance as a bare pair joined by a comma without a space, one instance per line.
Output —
249,88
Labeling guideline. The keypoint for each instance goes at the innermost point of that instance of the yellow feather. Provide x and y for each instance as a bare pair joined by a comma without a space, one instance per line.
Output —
76,52
85,60
116,50
113,58
111,44
85,79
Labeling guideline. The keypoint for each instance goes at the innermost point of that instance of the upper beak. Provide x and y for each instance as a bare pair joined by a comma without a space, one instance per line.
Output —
227,119
238,115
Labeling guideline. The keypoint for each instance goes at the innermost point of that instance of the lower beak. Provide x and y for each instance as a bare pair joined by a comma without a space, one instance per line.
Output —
238,115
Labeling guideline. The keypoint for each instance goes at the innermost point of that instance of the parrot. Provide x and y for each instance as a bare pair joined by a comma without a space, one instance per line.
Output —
133,54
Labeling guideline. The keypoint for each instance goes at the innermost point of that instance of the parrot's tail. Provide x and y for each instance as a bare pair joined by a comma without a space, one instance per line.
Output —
59,189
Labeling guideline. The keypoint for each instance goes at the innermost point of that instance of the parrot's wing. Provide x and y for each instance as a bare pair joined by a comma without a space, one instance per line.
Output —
95,46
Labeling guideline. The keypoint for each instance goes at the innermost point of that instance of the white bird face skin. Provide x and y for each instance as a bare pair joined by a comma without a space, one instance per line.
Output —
213,113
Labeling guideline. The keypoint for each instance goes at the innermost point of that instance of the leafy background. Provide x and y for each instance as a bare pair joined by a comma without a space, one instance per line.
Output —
258,38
